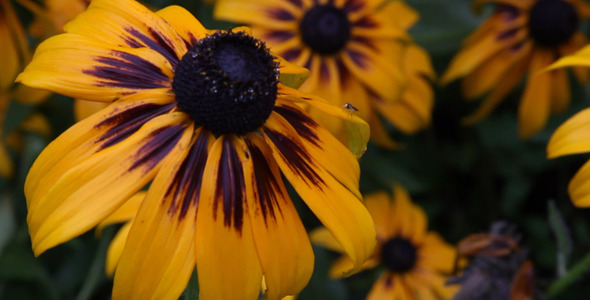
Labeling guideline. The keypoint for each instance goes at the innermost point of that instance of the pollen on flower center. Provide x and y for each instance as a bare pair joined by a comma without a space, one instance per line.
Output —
398,254
325,29
552,22
227,83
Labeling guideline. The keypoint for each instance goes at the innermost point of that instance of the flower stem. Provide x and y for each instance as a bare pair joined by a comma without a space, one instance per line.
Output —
574,274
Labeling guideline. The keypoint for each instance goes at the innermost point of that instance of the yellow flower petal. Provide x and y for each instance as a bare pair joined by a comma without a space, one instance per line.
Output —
95,70
535,105
159,258
571,137
322,236
125,213
378,67
225,249
334,203
84,108
116,249
282,244
357,130
89,136
76,198
265,13
579,186
183,22
132,24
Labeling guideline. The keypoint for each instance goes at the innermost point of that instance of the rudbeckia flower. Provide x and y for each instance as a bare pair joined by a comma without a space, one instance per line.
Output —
205,118
416,262
520,38
359,54
572,136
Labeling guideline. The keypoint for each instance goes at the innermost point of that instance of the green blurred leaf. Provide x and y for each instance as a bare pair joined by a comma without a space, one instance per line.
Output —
96,274
192,289
7,220
563,236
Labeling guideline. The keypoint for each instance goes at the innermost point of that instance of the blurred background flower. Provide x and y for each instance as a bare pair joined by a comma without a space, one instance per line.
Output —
521,38
415,262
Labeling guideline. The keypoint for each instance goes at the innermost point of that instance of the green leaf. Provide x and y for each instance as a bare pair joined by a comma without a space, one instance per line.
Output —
192,289
7,220
564,240
96,274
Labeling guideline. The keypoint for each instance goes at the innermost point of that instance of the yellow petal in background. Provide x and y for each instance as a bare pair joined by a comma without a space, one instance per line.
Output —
572,136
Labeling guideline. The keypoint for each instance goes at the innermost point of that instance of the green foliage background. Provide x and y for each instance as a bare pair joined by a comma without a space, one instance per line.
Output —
464,177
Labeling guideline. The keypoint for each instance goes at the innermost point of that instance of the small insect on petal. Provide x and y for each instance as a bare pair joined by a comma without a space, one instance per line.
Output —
349,107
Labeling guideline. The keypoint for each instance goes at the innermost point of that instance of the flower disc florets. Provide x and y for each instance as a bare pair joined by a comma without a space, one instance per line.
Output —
552,22
227,83
398,255
325,29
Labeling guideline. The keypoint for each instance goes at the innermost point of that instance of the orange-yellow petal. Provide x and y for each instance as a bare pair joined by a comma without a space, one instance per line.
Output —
282,243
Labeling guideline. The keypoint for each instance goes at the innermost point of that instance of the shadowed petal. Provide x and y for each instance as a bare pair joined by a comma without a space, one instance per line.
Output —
82,195
125,213
227,263
534,108
158,258
579,186
336,205
116,249
281,241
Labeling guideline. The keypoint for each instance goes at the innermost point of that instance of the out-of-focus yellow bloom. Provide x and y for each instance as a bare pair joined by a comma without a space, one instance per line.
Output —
521,37
417,262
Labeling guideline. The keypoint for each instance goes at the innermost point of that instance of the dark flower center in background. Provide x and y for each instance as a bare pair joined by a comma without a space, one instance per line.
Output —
398,255
552,22
325,29
227,82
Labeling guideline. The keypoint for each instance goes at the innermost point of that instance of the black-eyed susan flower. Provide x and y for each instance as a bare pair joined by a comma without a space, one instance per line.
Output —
572,136
416,262
205,119
357,52
520,38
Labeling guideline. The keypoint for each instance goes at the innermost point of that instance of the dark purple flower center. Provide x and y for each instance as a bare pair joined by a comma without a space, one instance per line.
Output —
325,29
227,83
552,22
398,255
